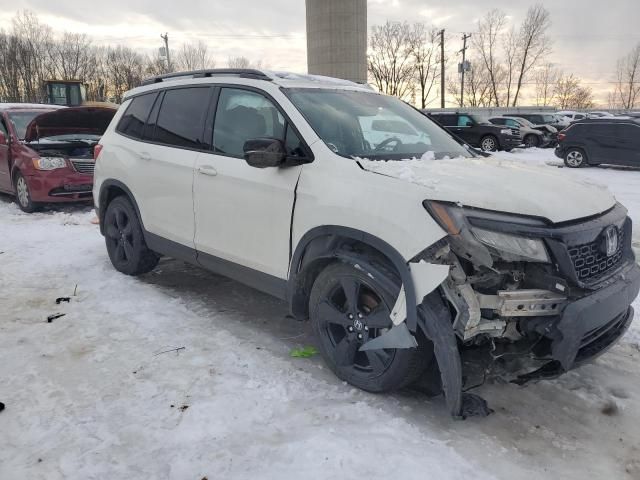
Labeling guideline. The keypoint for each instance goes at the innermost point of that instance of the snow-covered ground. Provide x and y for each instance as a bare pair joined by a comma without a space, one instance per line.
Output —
96,394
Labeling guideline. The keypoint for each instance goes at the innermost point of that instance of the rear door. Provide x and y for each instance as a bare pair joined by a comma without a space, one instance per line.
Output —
242,213
166,156
627,140
5,171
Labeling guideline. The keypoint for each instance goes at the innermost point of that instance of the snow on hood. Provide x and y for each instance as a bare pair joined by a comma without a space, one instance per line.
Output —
499,185
89,120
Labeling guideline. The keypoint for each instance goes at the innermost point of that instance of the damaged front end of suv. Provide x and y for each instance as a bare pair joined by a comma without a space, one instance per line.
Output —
529,299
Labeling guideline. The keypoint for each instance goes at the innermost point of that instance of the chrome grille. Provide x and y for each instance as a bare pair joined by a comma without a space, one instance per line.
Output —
590,263
83,166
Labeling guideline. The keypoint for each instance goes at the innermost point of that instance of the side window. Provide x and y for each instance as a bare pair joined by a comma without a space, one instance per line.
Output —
463,120
447,120
243,115
181,118
133,120
500,121
3,128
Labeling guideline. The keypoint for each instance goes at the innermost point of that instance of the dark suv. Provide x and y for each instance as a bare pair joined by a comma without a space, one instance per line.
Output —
478,132
595,141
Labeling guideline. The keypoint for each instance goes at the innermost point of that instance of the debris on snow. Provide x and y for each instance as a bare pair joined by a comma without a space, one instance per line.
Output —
54,316
59,300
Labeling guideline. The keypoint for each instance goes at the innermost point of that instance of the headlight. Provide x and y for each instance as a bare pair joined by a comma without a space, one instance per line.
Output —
527,248
505,131
49,163
453,220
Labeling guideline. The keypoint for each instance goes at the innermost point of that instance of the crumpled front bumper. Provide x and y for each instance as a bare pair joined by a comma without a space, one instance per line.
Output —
591,325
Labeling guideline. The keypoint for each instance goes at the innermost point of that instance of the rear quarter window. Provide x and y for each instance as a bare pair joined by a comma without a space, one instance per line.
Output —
133,121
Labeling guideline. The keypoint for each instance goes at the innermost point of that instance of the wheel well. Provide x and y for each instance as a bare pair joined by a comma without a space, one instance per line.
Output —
107,195
323,251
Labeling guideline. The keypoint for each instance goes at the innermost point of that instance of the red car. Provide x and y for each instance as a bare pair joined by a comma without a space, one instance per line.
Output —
46,152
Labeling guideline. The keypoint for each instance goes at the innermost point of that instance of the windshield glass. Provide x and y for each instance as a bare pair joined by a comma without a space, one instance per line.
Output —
549,118
21,120
369,125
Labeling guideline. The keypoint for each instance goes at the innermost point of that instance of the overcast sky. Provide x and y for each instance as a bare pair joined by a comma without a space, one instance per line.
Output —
588,35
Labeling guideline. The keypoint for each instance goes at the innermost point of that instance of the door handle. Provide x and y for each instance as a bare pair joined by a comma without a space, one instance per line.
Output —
207,170
145,156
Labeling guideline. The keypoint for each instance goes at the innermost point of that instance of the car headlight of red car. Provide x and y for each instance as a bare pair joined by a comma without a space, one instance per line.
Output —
49,163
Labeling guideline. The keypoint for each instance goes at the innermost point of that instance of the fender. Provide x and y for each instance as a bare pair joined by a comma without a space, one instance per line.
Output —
324,243
104,187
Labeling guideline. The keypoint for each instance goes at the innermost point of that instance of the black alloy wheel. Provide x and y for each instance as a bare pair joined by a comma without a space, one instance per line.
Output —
124,239
348,308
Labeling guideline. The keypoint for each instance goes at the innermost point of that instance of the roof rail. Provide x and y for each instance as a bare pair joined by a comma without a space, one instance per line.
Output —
212,72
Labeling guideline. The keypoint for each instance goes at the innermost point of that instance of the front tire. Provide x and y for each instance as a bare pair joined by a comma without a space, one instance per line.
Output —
575,158
489,143
531,141
348,307
23,194
126,247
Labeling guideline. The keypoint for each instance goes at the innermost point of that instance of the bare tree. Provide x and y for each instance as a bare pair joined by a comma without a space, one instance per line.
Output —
194,56
485,42
533,44
34,42
390,62
124,69
72,57
546,78
569,93
10,76
238,62
425,56
627,90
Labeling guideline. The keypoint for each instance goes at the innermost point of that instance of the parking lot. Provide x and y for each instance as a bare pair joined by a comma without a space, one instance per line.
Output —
184,374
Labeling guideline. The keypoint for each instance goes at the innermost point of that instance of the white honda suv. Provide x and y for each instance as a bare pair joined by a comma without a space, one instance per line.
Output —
410,254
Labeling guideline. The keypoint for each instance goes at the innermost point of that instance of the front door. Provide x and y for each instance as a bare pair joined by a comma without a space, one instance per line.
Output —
242,213
464,129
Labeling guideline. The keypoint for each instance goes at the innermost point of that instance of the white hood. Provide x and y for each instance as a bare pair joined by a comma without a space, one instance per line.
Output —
498,185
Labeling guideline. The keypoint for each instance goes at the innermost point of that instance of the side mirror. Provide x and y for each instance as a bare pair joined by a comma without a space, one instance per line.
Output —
3,139
469,124
264,152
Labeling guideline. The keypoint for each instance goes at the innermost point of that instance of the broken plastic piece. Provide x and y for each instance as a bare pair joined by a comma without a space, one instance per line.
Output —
59,300
396,337
474,406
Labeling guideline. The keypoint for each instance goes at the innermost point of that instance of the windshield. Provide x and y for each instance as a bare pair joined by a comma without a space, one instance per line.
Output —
369,125
549,118
21,120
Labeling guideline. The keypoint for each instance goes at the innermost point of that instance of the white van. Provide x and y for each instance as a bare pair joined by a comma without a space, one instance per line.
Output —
406,250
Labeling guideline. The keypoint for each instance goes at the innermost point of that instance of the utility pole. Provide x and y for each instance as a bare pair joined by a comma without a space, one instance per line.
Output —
464,66
165,37
442,68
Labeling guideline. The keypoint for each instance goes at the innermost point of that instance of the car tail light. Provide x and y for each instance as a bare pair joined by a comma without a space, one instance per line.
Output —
96,151
562,136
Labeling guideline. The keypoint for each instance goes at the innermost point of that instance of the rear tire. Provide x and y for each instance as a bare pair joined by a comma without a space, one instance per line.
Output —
575,158
489,143
347,308
23,194
123,235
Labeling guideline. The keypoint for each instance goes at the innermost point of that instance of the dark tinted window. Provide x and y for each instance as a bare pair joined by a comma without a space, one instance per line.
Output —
241,116
447,120
181,118
499,121
150,127
133,120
